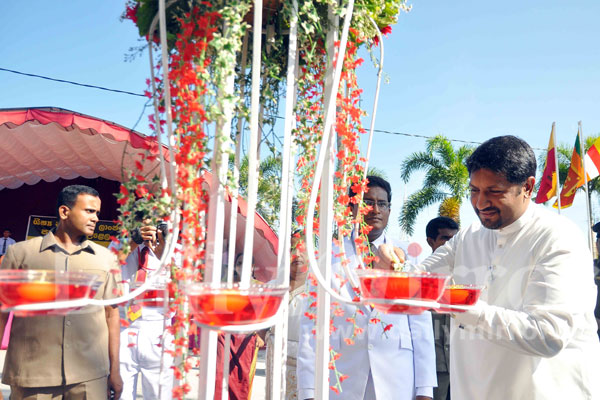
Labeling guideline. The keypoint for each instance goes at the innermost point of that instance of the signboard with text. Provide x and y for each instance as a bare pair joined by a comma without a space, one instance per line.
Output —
41,225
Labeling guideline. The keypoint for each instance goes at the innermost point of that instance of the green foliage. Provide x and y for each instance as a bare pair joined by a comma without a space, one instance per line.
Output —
148,9
384,13
446,176
377,172
269,187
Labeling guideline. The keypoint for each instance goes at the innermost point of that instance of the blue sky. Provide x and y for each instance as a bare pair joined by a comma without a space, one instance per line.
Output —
469,70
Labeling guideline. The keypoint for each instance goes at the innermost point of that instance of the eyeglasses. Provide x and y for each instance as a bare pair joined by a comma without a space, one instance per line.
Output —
382,205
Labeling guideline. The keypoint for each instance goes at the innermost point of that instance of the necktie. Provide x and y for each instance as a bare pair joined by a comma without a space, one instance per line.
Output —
134,311
3,247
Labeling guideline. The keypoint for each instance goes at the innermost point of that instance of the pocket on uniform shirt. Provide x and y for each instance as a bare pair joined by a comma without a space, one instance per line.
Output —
405,335
396,336
406,342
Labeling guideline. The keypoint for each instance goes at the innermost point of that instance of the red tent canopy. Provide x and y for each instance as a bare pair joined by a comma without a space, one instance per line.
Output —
265,240
42,145
50,143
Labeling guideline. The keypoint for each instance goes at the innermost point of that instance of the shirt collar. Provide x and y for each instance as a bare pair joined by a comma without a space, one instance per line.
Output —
519,223
49,241
142,246
380,240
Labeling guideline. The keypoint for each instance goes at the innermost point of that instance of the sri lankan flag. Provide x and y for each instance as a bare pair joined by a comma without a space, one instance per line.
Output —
548,184
574,177
592,161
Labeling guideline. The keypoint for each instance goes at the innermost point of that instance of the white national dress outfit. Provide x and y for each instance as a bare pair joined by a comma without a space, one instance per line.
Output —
395,365
140,347
532,336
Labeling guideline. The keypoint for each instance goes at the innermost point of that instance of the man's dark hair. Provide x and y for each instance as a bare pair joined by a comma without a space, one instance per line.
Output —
68,195
376,181
506,155
432,230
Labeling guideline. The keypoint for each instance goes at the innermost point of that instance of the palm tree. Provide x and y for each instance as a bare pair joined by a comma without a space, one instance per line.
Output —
377,172
446,180
269,186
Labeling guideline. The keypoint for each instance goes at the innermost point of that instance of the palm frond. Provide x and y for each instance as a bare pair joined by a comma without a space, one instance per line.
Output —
441,146
417,161
437,177
377,172
446,176
464,152
414,204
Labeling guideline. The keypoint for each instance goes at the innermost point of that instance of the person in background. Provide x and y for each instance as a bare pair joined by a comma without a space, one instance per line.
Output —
596,229
391,356
144,338
6,241
532,334
243,353
298,273
438,231
75,356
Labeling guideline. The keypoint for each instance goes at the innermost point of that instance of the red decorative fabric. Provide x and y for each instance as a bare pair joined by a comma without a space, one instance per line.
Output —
242,362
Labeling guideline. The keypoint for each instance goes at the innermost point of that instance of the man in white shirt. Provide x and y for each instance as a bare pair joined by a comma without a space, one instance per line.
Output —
6,241
393,356
145,336
532,335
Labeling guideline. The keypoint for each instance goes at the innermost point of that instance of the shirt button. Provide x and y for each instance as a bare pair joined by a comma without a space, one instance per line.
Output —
66,346
68,323
370,347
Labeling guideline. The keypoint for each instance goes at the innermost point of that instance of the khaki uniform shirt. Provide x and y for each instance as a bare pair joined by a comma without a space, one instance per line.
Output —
60,350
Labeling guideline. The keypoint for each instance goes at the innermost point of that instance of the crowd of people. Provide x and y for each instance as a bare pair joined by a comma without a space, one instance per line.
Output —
531,335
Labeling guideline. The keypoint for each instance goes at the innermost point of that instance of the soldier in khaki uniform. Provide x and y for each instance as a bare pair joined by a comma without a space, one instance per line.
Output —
75,356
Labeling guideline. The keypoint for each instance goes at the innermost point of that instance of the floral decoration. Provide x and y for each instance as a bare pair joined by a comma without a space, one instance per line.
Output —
205,46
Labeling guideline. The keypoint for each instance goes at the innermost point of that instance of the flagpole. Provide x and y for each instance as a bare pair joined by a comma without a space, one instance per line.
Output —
585,185
556,165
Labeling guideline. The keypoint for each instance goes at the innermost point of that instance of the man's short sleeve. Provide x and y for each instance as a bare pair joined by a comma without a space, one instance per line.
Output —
9,260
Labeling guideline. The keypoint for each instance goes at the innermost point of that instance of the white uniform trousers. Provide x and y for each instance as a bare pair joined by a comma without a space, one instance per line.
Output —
140,353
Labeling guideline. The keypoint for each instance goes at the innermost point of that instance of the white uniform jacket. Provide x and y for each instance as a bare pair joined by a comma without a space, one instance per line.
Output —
533,334
401,360
140,347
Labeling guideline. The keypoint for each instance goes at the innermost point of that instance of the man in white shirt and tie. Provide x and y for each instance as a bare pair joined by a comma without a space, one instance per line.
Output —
6,241
393,356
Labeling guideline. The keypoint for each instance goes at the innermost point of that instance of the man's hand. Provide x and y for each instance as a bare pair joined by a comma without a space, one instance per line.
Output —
153,238
389,257
261,338
115,385
148,233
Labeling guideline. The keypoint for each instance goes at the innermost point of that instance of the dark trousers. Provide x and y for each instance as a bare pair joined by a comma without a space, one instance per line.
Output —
442,391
